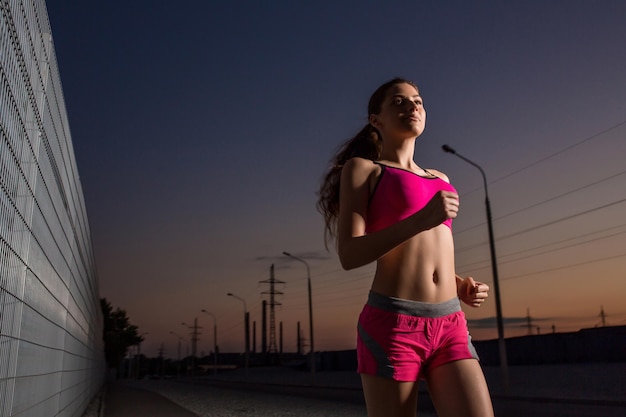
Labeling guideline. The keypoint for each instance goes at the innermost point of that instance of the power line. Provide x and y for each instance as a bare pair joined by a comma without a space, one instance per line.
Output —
477,264
552,155
544,201
562,219
564,267
548,223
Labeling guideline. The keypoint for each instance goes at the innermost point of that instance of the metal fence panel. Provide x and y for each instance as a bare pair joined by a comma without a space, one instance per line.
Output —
51,353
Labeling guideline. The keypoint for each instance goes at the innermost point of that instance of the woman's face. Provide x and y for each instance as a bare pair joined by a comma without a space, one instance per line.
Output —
402,113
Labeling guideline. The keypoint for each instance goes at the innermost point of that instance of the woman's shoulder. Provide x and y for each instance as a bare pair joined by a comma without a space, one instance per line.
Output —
360,169
360,164
438,174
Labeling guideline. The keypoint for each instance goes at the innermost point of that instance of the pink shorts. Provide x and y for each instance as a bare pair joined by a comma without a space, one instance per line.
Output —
403,339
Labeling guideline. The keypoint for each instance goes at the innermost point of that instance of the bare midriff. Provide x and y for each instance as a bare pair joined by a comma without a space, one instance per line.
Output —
420,269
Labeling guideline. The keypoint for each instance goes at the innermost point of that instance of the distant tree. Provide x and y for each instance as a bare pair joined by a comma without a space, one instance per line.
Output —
118,334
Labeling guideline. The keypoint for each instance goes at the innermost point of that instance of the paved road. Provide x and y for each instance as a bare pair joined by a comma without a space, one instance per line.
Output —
588,390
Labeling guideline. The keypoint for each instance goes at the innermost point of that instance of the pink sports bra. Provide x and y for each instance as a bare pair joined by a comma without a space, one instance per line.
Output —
398,194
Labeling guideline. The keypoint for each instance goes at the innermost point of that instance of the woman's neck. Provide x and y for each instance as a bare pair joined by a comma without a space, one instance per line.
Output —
401,153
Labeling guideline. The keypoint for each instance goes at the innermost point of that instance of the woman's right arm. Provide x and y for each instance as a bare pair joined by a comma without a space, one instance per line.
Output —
354,246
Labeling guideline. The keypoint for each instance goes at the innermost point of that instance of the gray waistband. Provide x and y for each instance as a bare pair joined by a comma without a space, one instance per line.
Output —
413,308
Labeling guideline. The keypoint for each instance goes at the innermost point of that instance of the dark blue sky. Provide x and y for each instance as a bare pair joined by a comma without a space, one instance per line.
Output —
202,130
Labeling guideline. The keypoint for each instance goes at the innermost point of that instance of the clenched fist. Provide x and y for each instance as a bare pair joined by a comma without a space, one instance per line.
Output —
472,293
443,206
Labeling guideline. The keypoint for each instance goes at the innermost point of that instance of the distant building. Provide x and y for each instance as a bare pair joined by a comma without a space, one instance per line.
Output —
51,356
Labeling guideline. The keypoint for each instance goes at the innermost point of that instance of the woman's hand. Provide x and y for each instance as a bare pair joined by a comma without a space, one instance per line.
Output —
472,293
443,206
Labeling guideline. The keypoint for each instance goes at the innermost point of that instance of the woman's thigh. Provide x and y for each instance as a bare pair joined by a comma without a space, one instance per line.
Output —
385,397
459,389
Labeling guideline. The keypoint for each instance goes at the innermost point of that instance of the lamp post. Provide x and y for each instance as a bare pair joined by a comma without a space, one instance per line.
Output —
178,367
214,339
494,268
246,326
194,343
308,275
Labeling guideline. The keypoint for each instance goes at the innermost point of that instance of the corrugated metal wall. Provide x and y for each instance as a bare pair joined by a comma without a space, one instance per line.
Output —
51,356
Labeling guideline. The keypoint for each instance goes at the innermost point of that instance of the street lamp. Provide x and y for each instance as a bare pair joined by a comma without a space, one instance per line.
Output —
214,340
308,275
246,326
494,268
178,367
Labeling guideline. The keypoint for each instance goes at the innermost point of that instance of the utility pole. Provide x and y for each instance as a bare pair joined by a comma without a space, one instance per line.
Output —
311,344
254,337
529,322
246,326
215,348
272,293
194,342
602,316
178,366
160,360
264,328
299,339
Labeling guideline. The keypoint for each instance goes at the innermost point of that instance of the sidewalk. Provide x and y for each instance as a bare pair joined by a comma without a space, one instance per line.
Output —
123,400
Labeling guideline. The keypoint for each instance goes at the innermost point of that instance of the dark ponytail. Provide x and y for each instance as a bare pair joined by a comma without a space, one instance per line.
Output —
366,144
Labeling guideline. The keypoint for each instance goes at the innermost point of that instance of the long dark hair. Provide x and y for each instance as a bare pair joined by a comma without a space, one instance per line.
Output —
367,143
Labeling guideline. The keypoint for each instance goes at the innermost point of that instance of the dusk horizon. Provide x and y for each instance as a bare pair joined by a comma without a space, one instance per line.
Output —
202,132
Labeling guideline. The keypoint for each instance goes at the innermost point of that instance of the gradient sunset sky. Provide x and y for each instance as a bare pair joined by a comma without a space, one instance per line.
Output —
202,130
